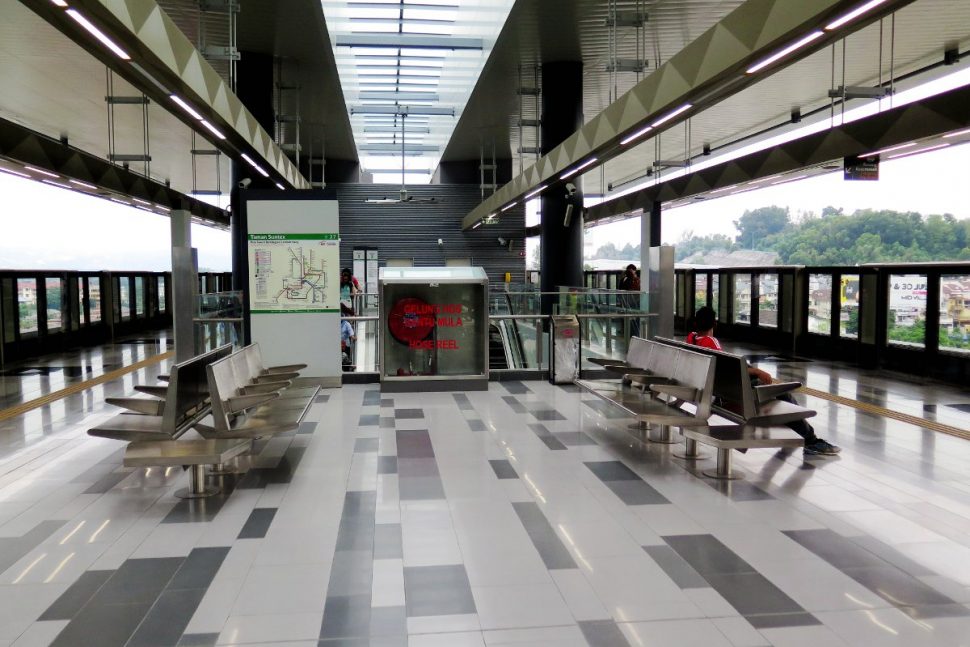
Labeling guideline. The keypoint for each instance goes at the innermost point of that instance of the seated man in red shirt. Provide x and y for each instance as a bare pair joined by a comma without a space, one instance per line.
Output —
704,322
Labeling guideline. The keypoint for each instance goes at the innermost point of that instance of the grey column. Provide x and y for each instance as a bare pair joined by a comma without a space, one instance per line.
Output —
185,285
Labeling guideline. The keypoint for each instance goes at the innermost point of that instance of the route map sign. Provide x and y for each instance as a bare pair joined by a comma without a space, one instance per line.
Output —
294,273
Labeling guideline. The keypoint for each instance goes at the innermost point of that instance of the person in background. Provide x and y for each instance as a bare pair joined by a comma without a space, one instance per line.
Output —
630,282
348,288
347,339
705,321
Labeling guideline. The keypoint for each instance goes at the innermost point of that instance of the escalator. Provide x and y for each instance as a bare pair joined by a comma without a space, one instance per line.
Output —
498,358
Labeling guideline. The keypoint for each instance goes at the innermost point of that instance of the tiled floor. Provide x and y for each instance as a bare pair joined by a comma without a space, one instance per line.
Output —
526,515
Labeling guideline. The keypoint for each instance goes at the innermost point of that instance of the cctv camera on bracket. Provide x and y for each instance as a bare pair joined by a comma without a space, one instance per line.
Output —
245,182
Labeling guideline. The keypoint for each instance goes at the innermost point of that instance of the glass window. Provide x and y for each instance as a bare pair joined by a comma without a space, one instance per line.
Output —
27,305
742,298
52,287
907,310
849,311
716,293
820,303
161,294
768,300
124,298
80,300
94,298
955,313
700,290
140,296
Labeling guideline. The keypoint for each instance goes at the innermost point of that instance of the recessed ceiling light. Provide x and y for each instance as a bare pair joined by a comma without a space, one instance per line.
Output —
43,172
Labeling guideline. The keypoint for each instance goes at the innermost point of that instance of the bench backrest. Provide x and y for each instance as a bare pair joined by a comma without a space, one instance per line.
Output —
188,389
222,380
684,365
732,384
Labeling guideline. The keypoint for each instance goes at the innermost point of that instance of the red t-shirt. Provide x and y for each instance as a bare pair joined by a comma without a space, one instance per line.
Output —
703,340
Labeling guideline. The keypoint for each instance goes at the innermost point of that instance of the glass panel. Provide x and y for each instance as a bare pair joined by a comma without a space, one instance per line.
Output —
27,305
716,292
907,310
680,296
139,296
80,300
161,294
955,313
742,298
94,298
53,289
768,300
849,312
124,298
700,290
820,303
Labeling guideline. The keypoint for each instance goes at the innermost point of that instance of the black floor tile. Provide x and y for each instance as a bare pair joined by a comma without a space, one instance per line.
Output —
547,414
516,388
553,552
602,633
138,581
513,402
111,624
167,619
76,596
257,524
612,471
408,414
346,616
437,591
503,469
476,425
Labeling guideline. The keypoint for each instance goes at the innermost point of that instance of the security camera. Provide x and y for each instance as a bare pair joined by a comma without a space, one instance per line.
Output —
244,183
570,189
441,242
502,241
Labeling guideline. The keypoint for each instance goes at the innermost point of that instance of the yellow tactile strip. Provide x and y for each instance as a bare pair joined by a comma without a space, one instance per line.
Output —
888,413
81,386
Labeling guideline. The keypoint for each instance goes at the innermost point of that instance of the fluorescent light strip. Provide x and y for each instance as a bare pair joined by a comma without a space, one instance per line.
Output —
165,209
922,150
212,129
640,133
957,133
477,225
43,172
787,180
255,165
280,187
57,184
727,188
97,33
536,191
124,202
669,116
59,3
579,168
83,184
140,201
10,171
510,205
785,52
852,15
185,106
889,150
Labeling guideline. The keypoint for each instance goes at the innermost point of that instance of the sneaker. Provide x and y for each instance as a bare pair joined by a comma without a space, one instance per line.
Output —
822,448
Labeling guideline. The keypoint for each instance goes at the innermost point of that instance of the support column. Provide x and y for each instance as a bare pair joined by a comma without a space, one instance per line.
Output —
185,284
561,244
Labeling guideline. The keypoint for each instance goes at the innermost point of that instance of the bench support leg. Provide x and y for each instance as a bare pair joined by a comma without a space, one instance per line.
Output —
723,470
197,488
223,469
690,452
664,437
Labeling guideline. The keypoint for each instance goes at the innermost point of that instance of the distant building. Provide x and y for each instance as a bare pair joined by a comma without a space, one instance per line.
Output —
739,258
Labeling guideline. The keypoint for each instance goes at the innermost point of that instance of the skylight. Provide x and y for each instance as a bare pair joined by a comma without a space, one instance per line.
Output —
412,65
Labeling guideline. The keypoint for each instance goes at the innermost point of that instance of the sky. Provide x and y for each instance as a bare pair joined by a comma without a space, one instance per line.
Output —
46,227
936,182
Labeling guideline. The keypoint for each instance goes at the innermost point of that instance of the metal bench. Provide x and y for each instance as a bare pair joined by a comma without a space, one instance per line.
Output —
194,453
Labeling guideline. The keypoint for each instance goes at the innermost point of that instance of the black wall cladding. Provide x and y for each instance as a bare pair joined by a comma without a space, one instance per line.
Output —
411,230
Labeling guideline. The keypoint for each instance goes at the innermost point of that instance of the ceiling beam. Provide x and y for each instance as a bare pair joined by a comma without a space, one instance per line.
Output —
930,117
713,67
164,62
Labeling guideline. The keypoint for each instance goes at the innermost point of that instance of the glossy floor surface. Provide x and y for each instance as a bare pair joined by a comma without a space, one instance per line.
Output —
526,515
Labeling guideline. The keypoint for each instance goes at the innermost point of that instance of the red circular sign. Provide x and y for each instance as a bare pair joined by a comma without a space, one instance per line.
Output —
410,320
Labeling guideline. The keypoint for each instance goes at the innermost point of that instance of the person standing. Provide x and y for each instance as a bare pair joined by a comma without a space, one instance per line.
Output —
630,282
349,287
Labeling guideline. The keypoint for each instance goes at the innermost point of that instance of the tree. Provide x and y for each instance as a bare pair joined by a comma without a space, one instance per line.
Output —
755,225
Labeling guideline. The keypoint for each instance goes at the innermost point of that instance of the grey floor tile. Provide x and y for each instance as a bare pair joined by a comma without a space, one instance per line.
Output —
636,492
503,469
414,443
552,443
774,621
612,471
514,387
257,524
387,402
387,422
897,587
199,568
12,549
738,490
167,619
752,594
513,402
307,427
602,633
359,503
113,624
372,397
437,591
574,438
366,445
547,414
417,467
463,402
892,556
355,534
387,541
351,574
476,425
346,617
138,581
835,549
107,482
682,573
76,596
550,547
408,414
369,420
420,488
198,640
707,555
388,621
387,464
321,398
606,409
